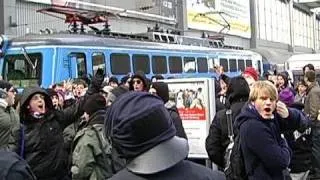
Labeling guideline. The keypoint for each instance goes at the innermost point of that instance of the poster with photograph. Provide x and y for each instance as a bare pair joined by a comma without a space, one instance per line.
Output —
194,101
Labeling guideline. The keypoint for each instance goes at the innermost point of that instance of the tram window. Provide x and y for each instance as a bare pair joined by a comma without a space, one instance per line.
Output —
241,65
164,38
98,62
175,64
248,63
157,37
159,65
233,65
202,65
141,62
189,64
81,63
120,63
21,72
224,64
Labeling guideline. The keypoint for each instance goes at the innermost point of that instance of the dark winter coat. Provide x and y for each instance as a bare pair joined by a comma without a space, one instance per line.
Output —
9,129
217,140
43,140
174,114
13,167
300,142
264,150
184,170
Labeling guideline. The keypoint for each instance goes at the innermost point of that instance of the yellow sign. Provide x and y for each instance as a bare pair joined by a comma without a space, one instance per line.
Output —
228,16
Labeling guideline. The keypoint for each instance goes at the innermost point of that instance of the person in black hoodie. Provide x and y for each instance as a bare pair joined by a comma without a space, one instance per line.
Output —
161,89
139,82
260,123
217,140
299,141
42,143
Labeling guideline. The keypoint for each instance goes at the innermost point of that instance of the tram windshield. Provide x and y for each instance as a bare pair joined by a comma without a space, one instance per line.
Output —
22,70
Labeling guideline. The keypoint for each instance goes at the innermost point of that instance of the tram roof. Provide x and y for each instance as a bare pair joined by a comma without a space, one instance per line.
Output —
92,40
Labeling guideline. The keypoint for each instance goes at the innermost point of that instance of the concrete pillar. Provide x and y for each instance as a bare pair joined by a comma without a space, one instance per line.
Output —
182,15
314,29
291,25
253,24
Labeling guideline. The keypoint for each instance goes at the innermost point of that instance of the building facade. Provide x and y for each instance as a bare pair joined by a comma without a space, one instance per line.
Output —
274,28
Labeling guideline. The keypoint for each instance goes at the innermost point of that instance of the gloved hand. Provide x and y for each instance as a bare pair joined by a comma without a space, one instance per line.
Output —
96,83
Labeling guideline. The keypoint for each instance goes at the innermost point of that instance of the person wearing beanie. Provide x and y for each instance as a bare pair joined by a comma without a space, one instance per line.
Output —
91,153
300,141
311,108
139,82
161,89
125,80
113,81
251,75
115,93
287,97
9,118
217,139
143,133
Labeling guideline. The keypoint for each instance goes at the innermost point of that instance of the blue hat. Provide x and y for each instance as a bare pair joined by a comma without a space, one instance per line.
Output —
142,130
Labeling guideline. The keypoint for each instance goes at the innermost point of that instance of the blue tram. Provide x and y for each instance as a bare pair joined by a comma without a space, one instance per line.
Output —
50,58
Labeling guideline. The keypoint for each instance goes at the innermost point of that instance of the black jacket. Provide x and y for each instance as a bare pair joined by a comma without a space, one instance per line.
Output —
217,140
43,138
14,167
300,142
174,114
184,170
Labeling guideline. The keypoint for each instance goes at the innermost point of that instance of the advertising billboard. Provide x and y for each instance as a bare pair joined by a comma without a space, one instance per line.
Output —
205,15
194,99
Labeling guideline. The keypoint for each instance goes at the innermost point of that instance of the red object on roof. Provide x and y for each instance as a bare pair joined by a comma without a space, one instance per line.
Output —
72,15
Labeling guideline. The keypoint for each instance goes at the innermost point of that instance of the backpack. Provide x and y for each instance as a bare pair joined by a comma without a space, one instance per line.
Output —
235,167
111,157
14,167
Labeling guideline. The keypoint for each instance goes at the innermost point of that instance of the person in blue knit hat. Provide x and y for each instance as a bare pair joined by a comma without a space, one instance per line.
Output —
143,133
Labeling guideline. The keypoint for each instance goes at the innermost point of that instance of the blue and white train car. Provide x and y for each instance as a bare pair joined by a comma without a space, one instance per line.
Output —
50,58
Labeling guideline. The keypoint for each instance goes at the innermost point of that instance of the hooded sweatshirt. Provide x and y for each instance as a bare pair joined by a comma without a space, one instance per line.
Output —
43,139
262,144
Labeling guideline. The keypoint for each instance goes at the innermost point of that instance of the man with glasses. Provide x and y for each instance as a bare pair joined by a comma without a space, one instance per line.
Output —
9,119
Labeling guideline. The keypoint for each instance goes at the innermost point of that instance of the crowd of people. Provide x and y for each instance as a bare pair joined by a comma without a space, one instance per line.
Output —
276,121
105,129
101,130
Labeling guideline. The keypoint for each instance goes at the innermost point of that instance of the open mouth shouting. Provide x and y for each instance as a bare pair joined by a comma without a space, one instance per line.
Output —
267,113
267,110
41,108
